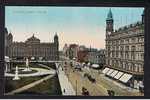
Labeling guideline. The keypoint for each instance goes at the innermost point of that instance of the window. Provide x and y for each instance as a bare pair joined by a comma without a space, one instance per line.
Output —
127,40
133,48
142,56
121,54
122,42
121,48
133,40
113,53
142,48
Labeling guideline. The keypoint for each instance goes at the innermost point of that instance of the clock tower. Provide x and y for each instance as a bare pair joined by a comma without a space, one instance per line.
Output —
109,23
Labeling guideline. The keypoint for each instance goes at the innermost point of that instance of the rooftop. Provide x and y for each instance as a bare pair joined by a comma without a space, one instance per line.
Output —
109,15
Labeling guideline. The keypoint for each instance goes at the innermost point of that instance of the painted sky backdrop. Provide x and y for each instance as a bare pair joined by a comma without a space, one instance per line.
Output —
80,25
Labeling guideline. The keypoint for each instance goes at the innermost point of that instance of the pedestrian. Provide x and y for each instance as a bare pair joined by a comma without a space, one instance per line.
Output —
112,93
64,91
109,93
86,92
83,90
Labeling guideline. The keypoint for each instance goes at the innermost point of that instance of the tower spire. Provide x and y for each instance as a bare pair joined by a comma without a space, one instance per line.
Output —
109,15
109,22
55,37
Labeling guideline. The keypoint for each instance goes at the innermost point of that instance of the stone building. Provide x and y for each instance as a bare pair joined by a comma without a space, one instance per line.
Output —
31,48
71,51
65,48
97,57
125,48
82,56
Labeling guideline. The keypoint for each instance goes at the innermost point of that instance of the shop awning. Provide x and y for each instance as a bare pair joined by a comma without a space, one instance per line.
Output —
109,72
95,66
119,74
114,73
105,70
125,78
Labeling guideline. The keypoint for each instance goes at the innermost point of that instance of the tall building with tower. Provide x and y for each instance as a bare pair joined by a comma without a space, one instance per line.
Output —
31,48
125,51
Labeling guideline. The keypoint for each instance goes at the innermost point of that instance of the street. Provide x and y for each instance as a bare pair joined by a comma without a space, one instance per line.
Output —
100,87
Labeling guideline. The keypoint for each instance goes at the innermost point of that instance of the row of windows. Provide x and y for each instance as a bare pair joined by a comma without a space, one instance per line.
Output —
126,48
35,52
126,66
97,61
126,55
34,49
97,56
126,41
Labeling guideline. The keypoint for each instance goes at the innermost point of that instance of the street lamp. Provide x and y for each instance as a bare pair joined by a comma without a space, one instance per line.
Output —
76,87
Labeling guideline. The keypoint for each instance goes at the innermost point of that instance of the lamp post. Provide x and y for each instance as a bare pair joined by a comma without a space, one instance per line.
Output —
76,87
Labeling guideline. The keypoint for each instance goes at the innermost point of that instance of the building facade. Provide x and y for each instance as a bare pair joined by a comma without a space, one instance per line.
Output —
125,47
97,57
32,48
82,56
65,49
71,51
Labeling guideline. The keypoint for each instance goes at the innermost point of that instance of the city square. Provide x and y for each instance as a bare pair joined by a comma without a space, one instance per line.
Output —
107,62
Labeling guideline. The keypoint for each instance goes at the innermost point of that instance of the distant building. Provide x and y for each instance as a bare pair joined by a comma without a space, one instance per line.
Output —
82,56
70,51
97,57
82,48
31,48
125,49
65,48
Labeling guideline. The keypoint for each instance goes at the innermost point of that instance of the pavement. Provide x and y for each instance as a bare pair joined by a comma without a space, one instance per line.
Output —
66,86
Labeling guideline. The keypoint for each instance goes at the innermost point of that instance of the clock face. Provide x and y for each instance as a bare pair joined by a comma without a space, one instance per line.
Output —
109,33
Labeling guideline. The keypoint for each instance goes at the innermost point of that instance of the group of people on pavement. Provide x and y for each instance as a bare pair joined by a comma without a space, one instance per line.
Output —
85,92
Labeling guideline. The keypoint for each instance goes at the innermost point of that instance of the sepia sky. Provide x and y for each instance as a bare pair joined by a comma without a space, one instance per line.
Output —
80,25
